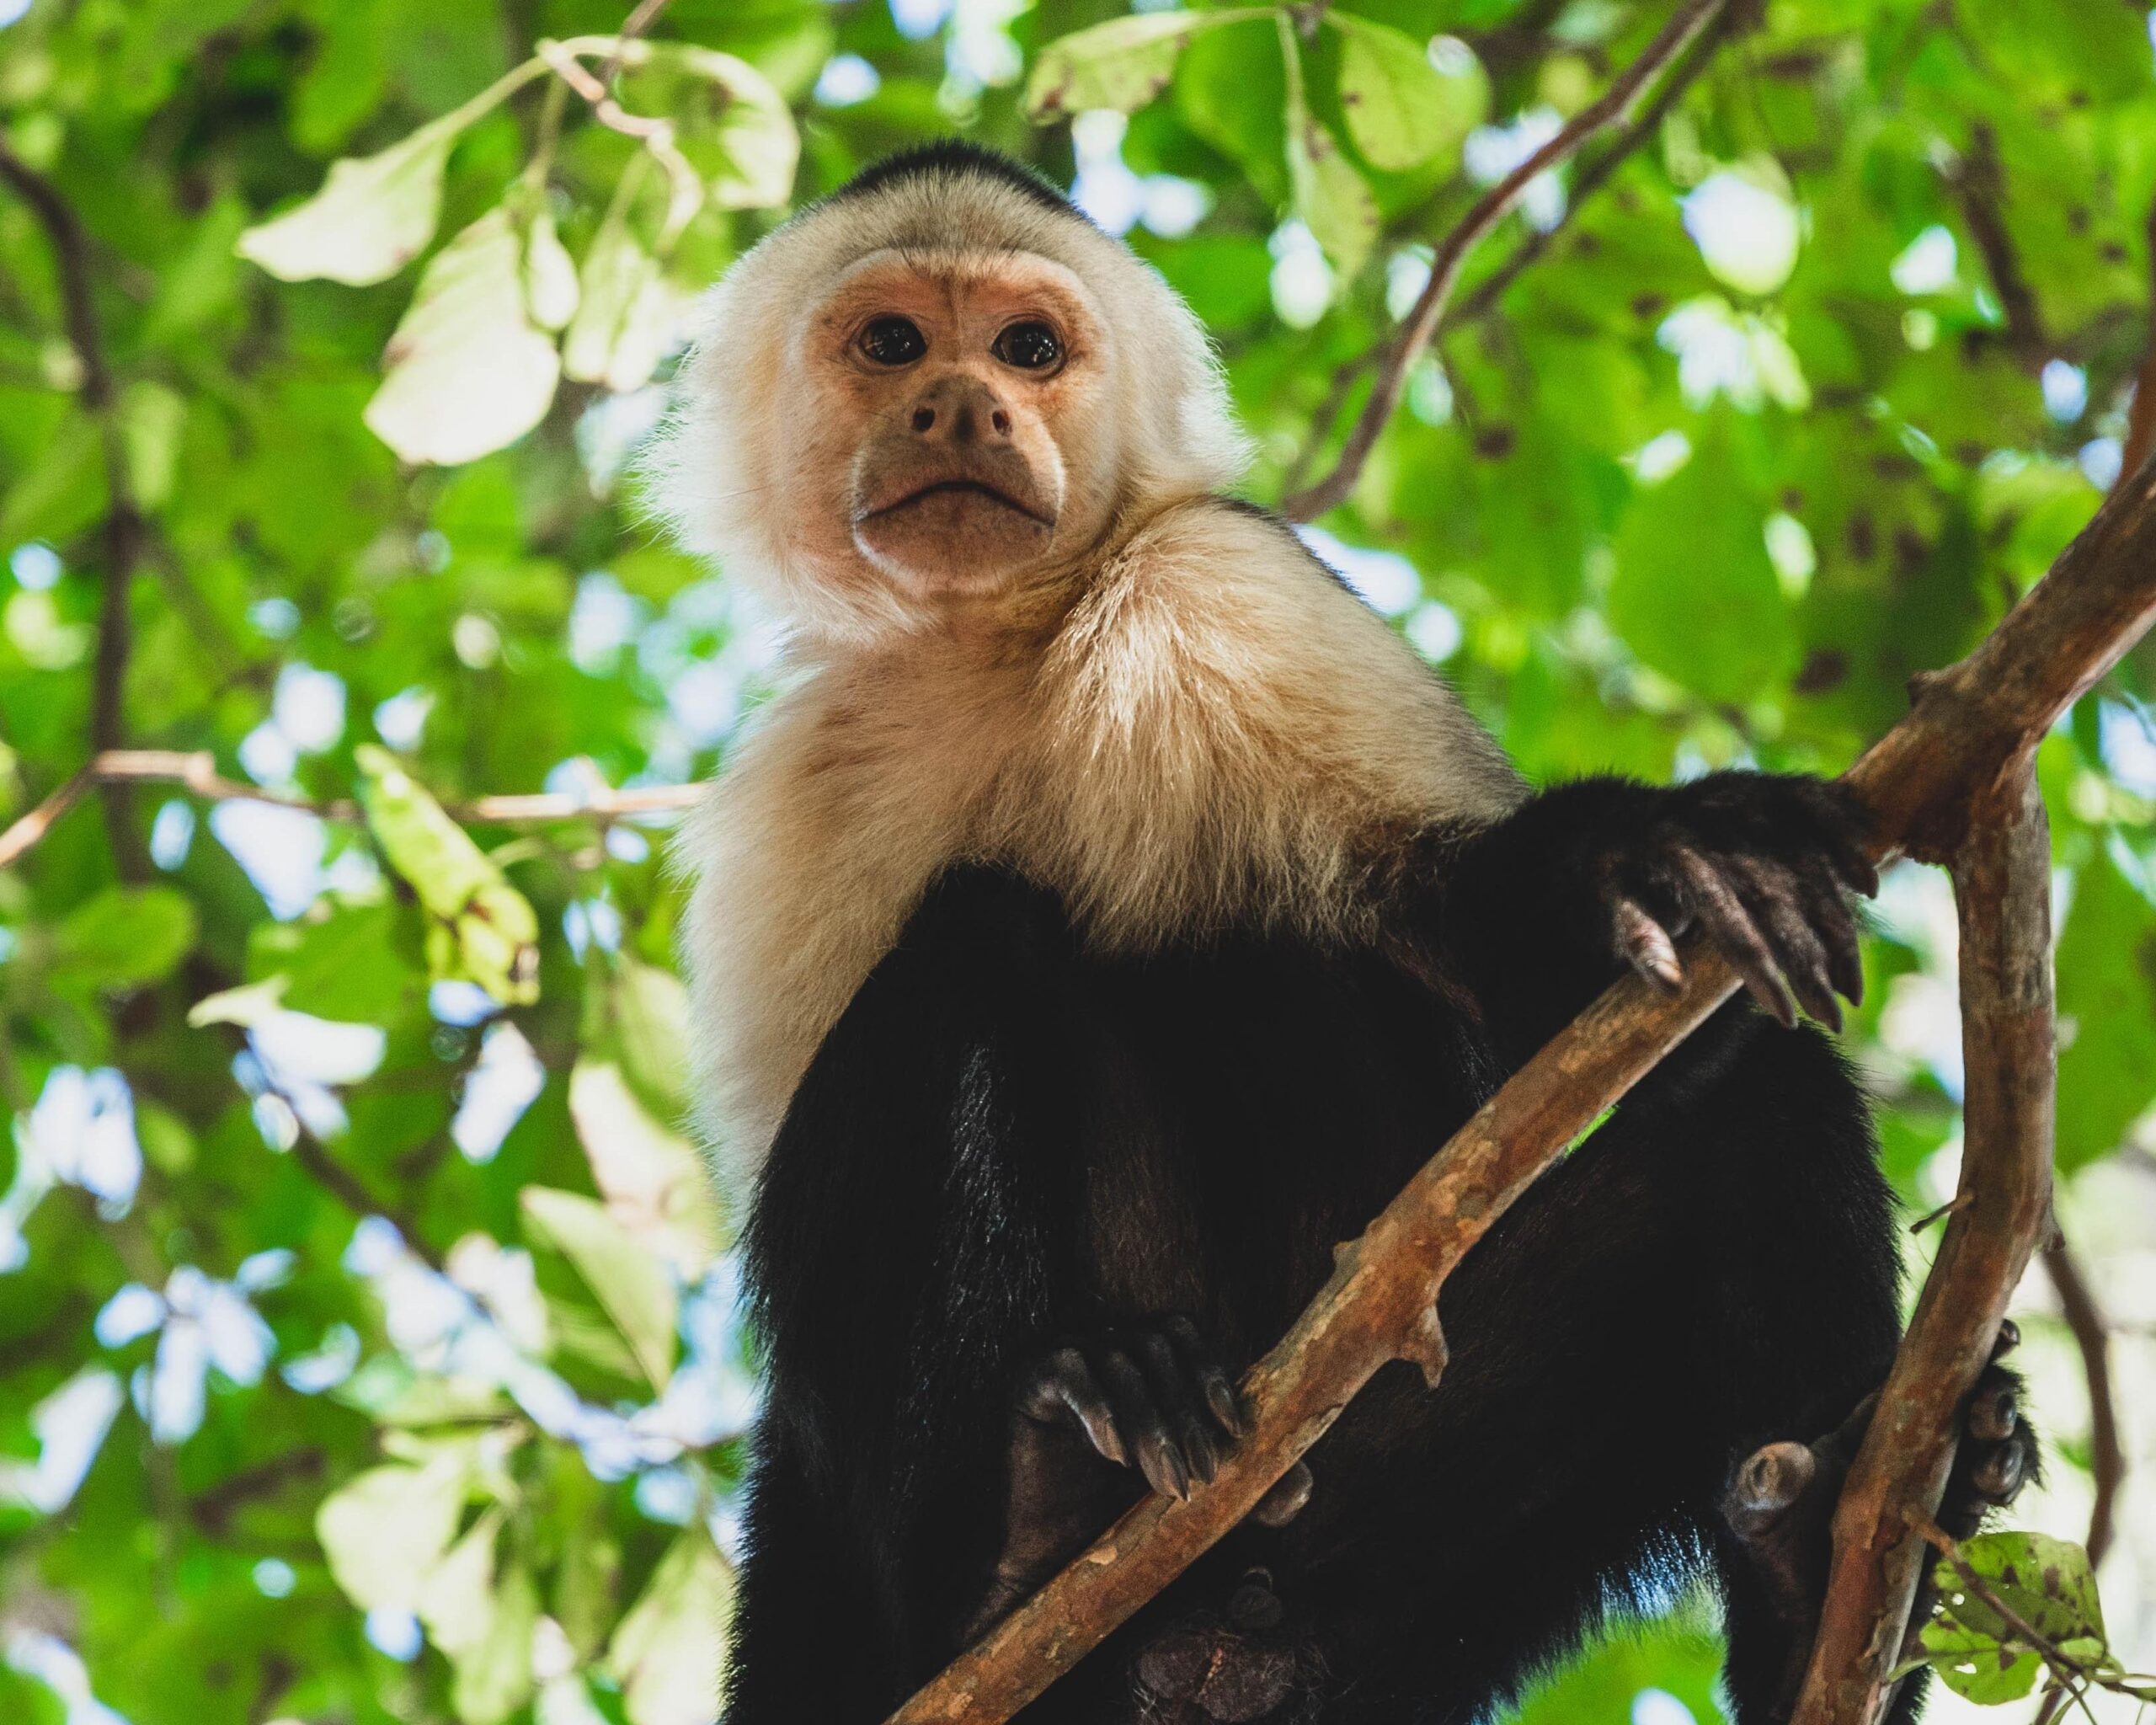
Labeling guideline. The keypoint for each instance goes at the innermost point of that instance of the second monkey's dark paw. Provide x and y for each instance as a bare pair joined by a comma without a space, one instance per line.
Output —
1780,1504
1764,863
1150,1396
1226,1671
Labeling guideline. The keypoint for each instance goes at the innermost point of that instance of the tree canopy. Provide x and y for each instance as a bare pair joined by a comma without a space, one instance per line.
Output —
368,1346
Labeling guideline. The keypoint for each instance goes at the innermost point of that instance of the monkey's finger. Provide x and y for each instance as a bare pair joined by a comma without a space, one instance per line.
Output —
1725,919
1828,912
1175,1394
1646,945
1841,829
1285,1501
1144,1433
1768,896
1213,1381
2007,1339
1064,1387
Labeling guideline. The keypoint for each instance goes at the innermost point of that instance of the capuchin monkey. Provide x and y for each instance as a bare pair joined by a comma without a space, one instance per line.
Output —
1104,918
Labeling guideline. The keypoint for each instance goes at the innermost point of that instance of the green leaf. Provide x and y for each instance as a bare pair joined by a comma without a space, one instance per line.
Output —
2107,1012
385,1529
666,1653
1401,111
469,371
2046,1583
372,216
1695,594
357,963
651,1023
122,938
1328,192
483,929
1122,64
630,1282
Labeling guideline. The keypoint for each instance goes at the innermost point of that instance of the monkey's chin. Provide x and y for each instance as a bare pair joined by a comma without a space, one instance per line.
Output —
956,543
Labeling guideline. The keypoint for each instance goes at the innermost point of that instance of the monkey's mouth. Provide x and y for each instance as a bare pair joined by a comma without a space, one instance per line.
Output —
952,488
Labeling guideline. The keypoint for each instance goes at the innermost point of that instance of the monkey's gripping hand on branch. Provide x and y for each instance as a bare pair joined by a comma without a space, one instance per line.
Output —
1542,911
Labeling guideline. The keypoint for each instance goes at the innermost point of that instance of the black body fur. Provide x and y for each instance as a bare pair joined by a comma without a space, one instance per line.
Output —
1007,1142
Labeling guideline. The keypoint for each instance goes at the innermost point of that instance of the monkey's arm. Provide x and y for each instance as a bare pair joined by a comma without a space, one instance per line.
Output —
1540,912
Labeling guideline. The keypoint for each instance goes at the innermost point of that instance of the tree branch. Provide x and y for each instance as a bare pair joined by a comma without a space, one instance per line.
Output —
1973,731
2092,1336
2001,887
125,532
1614,106
197,771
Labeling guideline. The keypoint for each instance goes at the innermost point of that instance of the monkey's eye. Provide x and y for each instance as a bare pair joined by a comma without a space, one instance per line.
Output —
893,341
1030,346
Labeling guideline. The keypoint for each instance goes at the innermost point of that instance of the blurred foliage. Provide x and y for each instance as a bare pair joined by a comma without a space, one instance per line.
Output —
367,1344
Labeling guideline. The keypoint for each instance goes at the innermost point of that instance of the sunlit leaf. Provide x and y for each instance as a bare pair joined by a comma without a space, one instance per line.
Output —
667,1653
550,285
469,371
483,929
1402,112
656,1187
384,1530
1123,63
2047,1583
631,1283
372,216
1329,195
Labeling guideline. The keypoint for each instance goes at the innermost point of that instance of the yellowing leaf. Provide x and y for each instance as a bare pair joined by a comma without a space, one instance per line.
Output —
630,1282
372,218
469,372
668,1652
384,1529
1402,110
1121,64
484,930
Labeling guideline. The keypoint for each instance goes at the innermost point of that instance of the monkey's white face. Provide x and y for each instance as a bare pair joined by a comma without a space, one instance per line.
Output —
952,437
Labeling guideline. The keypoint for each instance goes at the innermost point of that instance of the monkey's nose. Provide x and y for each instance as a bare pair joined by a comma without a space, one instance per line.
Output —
960,410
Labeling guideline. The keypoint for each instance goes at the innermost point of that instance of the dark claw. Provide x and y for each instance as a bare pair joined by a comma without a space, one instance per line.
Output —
1647,945
1999,1475
1732,926
1290,1492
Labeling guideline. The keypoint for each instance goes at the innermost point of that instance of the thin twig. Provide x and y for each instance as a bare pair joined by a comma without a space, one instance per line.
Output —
197,771
1953,1207
1981,184
1616,104
686,188
1636,131
641,18
2092,1335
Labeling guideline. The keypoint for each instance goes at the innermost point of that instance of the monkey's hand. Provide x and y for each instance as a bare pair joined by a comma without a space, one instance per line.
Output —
1780,1504
1151,1396
1764,863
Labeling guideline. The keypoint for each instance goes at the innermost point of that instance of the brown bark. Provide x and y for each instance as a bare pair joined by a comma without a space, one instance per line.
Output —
1960,755
2002,885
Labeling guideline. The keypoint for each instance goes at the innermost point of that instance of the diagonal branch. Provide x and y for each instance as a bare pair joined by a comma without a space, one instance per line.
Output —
1614,106
1969,738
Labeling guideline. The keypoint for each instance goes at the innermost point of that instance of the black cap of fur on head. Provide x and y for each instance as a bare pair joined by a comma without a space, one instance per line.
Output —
954,157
